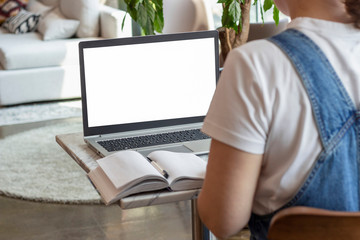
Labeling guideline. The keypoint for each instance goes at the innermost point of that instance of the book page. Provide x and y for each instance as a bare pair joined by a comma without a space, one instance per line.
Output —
180,165
110,194
125,167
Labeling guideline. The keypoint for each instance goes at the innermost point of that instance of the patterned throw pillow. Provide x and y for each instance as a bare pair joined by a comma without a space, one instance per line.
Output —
9,8
23,22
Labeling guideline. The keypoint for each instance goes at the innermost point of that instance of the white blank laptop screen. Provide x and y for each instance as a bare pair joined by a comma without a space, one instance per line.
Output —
149,81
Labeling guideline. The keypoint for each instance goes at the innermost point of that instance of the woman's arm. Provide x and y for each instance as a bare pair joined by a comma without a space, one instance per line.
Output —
225,201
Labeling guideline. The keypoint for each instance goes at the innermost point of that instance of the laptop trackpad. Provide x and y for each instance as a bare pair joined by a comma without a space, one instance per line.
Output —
179,148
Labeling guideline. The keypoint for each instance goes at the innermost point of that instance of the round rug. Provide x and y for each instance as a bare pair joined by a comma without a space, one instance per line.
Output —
34,167
39,112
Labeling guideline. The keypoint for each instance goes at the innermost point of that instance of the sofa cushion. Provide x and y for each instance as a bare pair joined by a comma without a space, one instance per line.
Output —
9,8
87,12
37,7
53,3
14,54
55,26
39,84
23,22
112,24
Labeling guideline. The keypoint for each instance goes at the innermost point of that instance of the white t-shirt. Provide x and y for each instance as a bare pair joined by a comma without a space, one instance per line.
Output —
260,106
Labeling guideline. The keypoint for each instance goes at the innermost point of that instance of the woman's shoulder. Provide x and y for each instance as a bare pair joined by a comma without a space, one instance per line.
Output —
258,51
261,47
259,56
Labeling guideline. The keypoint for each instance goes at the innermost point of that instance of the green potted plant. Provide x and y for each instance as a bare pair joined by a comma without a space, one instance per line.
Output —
236,22
148,14
235,18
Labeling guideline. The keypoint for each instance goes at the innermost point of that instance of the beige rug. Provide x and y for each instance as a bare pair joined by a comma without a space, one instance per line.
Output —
39,112
34,167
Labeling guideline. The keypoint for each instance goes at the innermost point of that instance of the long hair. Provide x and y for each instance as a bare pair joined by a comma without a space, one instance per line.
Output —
353,9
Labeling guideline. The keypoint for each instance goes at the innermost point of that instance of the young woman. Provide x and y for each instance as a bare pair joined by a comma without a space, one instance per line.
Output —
285,121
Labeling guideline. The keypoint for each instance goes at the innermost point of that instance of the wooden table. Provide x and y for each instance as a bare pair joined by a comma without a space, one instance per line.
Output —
75,146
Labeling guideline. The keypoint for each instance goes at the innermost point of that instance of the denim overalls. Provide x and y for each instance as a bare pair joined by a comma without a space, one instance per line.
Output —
333,182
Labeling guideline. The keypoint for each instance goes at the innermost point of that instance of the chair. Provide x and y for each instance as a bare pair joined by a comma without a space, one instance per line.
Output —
261,30
311,223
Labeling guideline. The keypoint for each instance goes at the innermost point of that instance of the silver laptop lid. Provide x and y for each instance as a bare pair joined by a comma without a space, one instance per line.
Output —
147,82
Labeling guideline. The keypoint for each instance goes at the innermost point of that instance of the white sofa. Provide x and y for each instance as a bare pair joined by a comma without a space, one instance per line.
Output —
33,68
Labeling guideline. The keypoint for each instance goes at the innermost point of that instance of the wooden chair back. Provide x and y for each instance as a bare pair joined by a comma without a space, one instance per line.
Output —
305,223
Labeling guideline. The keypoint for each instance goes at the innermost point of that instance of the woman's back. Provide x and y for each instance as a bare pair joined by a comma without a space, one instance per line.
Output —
265,136
275,116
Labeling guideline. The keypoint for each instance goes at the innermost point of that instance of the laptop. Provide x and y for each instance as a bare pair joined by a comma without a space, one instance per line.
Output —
148,93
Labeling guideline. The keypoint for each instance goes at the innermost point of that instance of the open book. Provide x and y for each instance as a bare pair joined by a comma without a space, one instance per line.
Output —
128,172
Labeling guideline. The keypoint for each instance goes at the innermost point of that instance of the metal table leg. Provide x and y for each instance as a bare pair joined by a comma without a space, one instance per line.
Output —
199,231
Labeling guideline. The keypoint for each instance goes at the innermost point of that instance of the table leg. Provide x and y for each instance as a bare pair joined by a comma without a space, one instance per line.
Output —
199,231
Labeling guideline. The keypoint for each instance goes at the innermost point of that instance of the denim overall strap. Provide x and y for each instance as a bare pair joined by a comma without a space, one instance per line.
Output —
333,182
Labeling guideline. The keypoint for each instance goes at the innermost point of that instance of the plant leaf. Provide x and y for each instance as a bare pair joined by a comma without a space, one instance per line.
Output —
235,10
147,13
148,28
268,4
142,16
132,8
159,22
123,22
261,12
227,2
228,21
150,10
276,15
158,4
159,16
231,14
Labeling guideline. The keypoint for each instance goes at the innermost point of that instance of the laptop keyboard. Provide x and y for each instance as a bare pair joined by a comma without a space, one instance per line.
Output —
151,140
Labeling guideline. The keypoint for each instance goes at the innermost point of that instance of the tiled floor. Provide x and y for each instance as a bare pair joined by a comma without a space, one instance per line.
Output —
31,220
21,220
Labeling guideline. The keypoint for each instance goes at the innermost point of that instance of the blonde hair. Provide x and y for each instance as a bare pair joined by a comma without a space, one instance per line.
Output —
353,9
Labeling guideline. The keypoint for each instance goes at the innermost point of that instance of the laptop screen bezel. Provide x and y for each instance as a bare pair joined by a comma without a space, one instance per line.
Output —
93,131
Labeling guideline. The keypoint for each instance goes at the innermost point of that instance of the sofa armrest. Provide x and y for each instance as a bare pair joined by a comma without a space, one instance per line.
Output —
110,23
